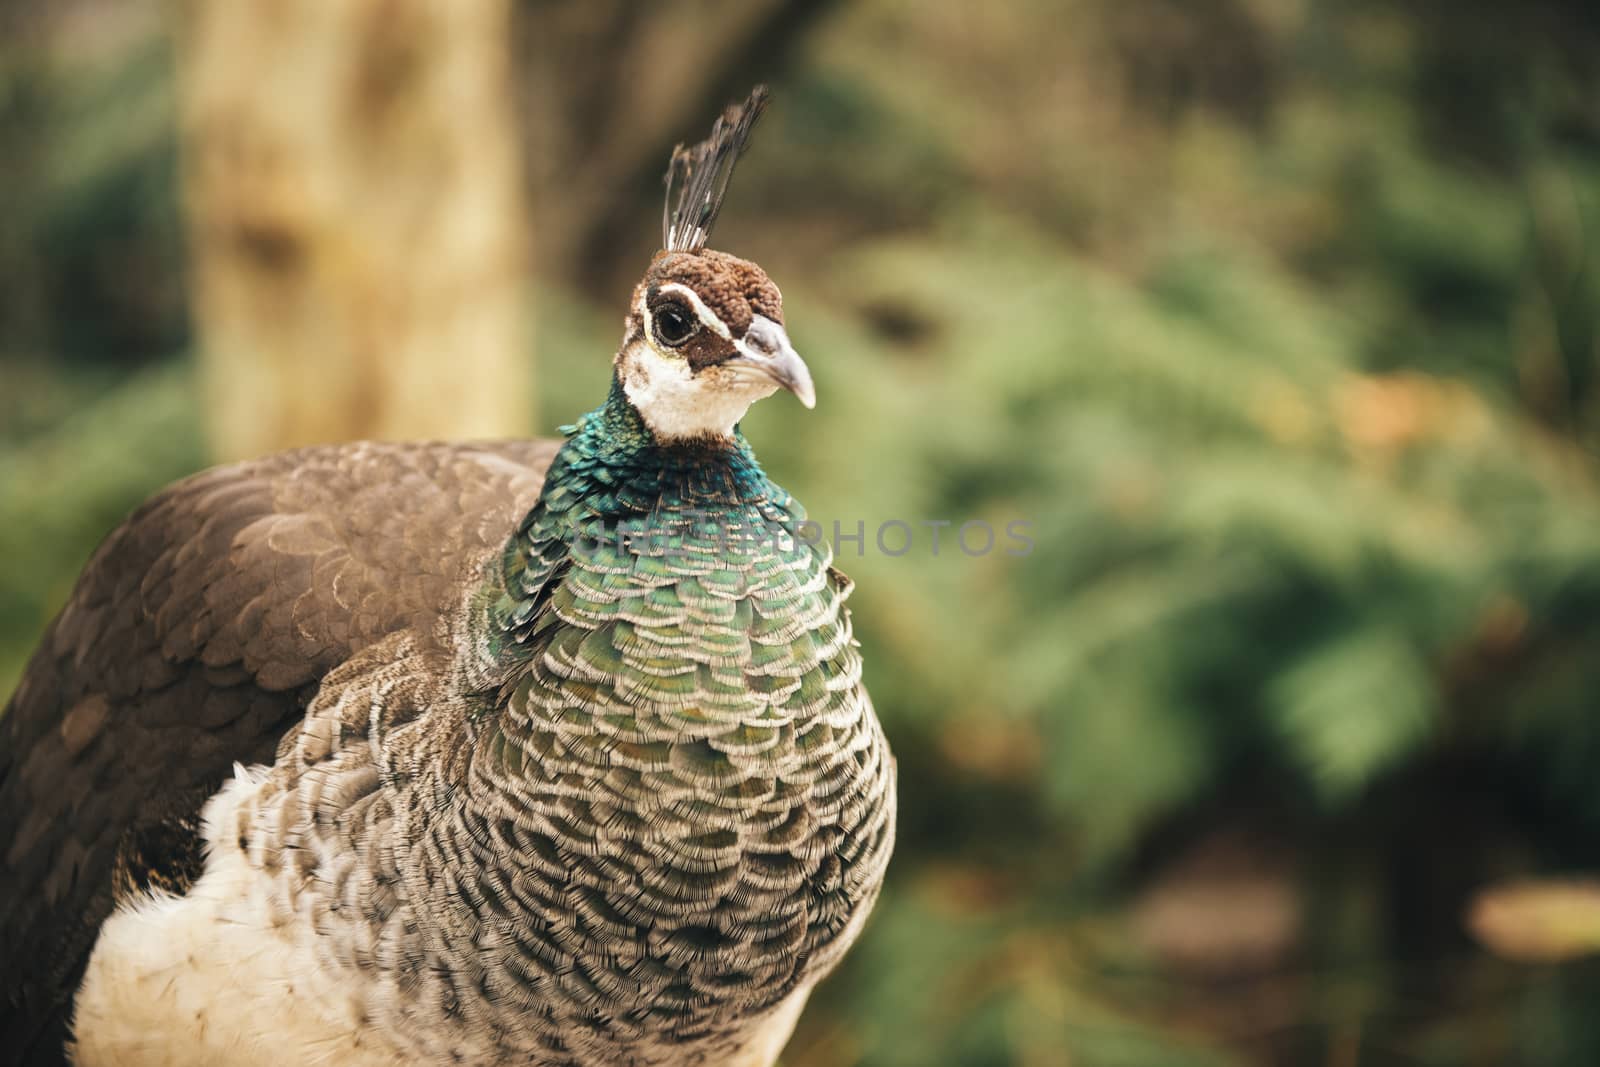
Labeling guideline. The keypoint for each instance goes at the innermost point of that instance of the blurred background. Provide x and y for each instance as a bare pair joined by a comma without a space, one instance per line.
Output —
1278,319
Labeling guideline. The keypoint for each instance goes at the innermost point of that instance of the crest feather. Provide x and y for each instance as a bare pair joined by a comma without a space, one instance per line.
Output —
697,178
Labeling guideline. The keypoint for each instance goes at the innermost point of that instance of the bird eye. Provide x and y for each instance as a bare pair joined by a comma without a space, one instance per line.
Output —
673,324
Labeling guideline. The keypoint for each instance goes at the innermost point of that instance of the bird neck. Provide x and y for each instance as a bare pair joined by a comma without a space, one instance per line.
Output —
614,441
613,479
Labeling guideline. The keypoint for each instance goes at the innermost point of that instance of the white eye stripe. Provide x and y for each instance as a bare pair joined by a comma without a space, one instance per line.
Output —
708,317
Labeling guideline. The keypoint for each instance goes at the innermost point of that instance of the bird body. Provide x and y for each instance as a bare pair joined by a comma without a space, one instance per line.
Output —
487,753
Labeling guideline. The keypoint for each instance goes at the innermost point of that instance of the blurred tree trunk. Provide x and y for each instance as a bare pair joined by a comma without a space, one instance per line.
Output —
356,216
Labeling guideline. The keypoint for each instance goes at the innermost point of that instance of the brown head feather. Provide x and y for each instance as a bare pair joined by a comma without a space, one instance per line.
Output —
734,288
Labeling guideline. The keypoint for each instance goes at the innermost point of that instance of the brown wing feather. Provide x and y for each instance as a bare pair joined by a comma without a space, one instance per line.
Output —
195,636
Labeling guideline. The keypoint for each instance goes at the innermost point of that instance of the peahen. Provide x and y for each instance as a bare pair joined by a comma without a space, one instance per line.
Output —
523,752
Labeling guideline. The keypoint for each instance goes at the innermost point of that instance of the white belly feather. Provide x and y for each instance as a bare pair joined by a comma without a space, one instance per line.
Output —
211,978
207,979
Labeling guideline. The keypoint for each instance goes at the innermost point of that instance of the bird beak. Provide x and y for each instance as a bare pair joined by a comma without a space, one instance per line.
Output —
765,348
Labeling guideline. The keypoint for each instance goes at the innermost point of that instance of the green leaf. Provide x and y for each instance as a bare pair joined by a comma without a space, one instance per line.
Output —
1353,707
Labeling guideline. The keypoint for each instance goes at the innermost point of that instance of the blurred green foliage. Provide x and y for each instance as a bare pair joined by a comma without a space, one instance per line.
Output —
1278,321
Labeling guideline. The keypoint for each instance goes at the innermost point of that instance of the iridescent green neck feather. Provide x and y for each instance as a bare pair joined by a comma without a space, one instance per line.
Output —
614,491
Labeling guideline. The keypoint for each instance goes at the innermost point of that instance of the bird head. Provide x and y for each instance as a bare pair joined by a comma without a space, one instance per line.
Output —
705,336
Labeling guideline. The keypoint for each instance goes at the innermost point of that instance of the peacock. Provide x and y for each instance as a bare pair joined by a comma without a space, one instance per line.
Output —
548,753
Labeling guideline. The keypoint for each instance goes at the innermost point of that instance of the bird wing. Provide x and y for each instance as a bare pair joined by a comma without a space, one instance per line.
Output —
197,634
